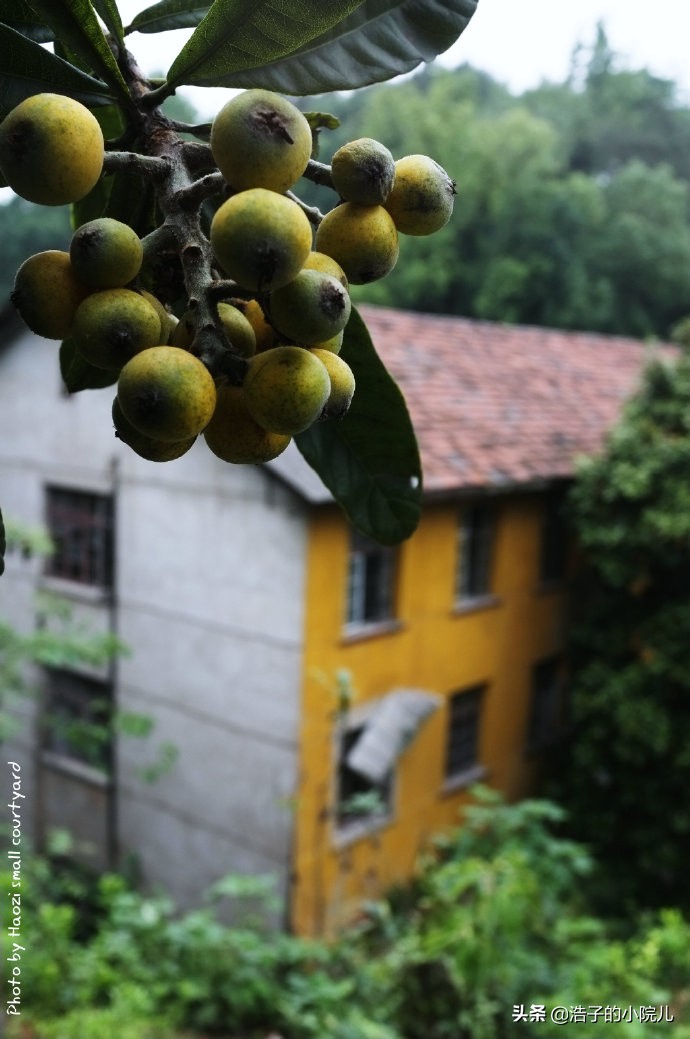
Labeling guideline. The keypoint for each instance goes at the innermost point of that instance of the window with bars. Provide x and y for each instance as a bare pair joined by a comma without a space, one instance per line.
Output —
475,552
463,733
546,704
77,718
371,581
80,525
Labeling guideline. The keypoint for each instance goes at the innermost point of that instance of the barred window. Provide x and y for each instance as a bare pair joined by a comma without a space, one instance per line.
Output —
81,527
475,552
77,718
371,581
464,724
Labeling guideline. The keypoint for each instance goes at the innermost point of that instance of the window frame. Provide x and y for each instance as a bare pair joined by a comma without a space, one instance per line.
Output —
468,699
67,692
476,540
81,525
370,598
346,828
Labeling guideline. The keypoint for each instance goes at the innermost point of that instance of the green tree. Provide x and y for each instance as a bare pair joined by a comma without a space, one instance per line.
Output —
644,256
624,114
538,236
624,772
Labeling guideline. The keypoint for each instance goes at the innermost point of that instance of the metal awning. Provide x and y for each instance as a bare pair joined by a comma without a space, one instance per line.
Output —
389,730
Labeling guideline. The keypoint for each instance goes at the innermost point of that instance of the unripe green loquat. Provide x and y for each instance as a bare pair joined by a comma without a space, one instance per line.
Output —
310,308
422,197
261,239
261,140
342,383
363,171
51,149
106,253
235,325
113,325
333,345
145,446
47,293
264,332
166,393
362,239
168,320
235,436
286,389
317,261
238,330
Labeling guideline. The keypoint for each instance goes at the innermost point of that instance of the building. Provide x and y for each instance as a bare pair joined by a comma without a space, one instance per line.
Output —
331,700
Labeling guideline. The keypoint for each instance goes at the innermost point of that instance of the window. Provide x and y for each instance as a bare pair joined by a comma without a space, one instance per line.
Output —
371,581
77,719
81,527
553,553
547,703
359,798
464,718
475,536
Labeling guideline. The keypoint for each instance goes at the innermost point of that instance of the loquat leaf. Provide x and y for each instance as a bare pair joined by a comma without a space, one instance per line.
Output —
27,68
169,14
369,460
76,26
236,35
379,39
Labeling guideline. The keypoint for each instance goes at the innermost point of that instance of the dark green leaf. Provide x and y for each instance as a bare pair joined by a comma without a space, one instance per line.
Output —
94,204
75,24
78,374
18,15
379,40
236,35
170,14
111,16
26,69
369,460
3,545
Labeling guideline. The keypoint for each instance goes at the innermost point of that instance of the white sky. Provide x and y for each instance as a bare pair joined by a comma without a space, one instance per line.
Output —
519,42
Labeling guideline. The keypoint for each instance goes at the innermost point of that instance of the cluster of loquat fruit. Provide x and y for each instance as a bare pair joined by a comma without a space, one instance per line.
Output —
279,275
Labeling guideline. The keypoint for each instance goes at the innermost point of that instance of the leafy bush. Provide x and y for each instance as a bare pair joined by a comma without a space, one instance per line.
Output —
496,918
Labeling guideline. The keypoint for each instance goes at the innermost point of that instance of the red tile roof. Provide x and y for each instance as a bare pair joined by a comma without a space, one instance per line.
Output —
496,405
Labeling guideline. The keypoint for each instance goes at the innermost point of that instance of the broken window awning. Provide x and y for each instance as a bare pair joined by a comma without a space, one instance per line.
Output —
389,730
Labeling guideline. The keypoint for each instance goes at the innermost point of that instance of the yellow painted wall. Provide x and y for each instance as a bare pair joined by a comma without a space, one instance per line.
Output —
435,647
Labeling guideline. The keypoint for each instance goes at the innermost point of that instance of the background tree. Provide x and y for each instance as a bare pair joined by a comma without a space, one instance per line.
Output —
624,771
572,208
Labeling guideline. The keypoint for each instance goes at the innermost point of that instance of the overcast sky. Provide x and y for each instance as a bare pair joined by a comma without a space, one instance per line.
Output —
520,42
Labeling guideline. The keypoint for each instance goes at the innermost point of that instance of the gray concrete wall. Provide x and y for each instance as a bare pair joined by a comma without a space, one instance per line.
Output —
209,593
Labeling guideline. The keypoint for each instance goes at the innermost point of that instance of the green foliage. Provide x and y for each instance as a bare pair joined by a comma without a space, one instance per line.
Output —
495,919
370,458
626,768
359,50
572,207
